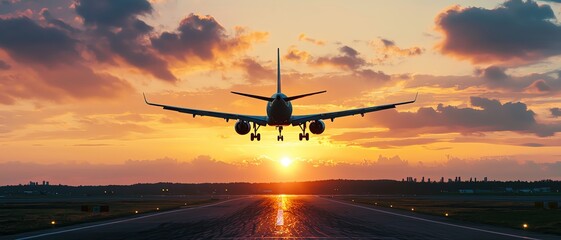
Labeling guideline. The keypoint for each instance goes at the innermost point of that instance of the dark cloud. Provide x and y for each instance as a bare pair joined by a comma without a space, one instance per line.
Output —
487,115
515,32
117,30
28,42
202,38
4,65
348,59
555,112
195,36
255,71
52,54
493,73
57,22
539,86
112,13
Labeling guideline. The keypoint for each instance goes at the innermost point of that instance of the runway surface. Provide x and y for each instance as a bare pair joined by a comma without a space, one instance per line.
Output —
277,217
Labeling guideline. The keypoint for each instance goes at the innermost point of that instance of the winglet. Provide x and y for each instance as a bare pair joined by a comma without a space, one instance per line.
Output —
146,101
416,95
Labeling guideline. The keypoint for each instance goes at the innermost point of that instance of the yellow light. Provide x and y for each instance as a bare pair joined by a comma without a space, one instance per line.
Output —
53,222
136,211
412,209
446,214
391,206
285,161
158,209
525,225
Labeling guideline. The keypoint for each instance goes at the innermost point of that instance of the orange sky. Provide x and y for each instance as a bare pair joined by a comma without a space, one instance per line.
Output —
72,76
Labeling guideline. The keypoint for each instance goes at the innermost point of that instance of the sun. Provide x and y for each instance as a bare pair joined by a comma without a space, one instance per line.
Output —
285,161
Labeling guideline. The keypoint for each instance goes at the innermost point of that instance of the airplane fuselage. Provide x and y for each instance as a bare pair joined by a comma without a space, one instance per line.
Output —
279,111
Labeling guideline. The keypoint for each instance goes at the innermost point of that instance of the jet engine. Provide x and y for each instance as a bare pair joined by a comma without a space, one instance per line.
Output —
317,127
242,127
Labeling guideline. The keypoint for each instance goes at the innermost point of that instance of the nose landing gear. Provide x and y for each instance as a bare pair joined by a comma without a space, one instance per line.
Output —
254,134
304,134
280,137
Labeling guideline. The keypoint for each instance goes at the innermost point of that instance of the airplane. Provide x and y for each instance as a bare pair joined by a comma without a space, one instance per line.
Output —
279,113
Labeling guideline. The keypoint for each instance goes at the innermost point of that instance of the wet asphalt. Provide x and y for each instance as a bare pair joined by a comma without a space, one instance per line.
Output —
283,217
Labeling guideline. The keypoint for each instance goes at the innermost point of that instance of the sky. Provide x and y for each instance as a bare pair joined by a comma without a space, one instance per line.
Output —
72,74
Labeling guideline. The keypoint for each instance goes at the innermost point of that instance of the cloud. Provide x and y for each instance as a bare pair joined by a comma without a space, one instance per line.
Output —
486,115
255,71
4,65
493,73
303,37
348,59
555,112
388,49
57,22
202,37
267,170
296,55
494,78
513,33
26,41
116,28
60,71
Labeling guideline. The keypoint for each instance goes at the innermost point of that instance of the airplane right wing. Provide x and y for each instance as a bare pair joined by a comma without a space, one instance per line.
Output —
260,120
300,119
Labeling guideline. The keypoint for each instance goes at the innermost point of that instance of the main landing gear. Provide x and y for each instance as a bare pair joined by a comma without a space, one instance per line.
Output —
280,137
304,134
254,134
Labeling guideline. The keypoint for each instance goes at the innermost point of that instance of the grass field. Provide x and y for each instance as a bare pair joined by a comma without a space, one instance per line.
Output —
26,216
513,214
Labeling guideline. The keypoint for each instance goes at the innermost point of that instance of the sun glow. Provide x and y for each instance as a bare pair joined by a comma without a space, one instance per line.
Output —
286,161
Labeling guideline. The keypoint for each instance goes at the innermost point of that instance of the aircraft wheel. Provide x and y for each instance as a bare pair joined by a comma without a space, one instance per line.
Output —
258,137
282,138
300,136
252,136
307,136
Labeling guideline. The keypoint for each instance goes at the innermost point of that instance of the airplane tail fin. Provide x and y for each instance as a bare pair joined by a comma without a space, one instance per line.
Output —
278,72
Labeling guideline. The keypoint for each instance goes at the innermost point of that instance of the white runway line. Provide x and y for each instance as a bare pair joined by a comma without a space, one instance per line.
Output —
280,218
125,220
432,221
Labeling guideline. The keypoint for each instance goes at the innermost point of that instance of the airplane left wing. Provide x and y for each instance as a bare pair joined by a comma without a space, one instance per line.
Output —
299,119
260,120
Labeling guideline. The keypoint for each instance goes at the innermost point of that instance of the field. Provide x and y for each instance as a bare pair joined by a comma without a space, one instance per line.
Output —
507,212
33,214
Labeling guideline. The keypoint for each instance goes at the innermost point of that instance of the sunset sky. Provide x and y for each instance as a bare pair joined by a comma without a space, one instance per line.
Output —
72,74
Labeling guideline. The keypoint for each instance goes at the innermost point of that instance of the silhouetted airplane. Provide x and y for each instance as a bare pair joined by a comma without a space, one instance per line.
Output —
279,113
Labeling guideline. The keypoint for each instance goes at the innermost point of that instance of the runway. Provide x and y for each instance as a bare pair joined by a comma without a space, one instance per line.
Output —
279,216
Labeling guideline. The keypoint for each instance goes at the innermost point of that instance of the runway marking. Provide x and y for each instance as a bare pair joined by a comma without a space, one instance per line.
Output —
126,220
280,218
432,221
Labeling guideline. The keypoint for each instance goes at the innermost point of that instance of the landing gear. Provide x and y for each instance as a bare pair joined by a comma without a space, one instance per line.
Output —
254,134
280,137
304,134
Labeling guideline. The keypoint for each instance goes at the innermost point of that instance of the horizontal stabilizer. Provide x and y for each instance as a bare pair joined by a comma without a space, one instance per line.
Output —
268,99
303,95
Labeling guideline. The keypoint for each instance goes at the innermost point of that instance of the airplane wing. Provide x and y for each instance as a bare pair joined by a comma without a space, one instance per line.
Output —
299,119
260,120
